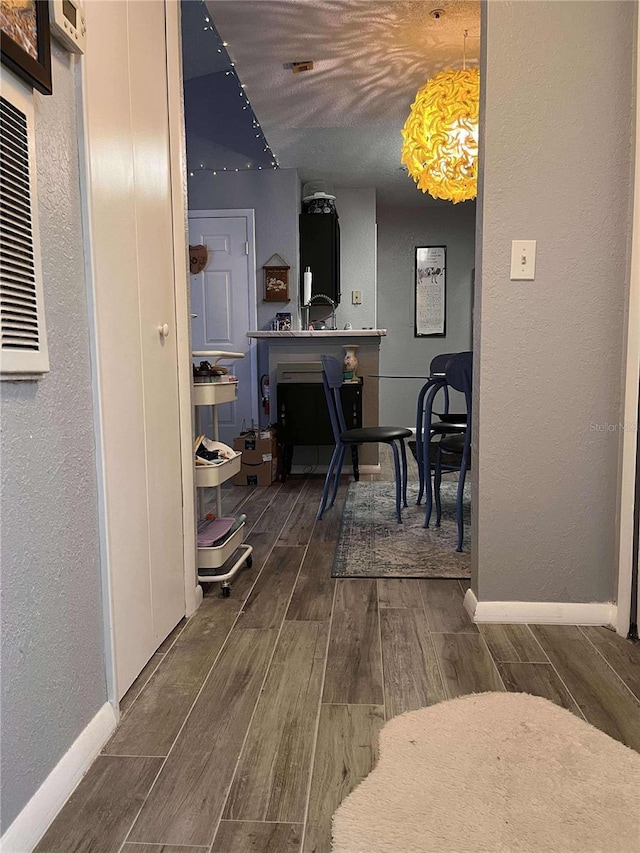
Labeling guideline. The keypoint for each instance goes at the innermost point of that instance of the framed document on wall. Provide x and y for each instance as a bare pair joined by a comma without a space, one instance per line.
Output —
430,291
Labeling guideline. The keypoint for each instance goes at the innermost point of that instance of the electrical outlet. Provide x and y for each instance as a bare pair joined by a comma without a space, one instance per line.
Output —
523,260
356,297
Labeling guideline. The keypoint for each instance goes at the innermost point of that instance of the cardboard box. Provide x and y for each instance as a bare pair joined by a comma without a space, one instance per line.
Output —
259,458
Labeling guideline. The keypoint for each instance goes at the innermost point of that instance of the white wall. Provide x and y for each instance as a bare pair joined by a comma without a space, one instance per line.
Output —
53,668
548,353
400,230
274,194
356,208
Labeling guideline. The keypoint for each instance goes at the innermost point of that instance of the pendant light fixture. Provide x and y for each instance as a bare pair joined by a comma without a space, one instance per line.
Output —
440,136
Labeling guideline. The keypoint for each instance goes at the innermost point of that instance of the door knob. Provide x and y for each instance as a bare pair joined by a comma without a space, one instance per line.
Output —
164,330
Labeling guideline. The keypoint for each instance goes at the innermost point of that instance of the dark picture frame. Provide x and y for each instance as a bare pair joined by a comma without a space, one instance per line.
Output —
35,70
276,284
430,291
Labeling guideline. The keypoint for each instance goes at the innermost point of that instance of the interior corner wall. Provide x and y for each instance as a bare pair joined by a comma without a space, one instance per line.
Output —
558,82
356,208
53,659
400,230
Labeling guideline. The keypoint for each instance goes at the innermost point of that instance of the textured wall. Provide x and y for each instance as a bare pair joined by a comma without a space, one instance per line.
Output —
356,208
53,670
274,194
558,119
400,230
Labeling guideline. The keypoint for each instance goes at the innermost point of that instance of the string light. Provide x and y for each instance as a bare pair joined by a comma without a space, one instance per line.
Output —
247,168
231,72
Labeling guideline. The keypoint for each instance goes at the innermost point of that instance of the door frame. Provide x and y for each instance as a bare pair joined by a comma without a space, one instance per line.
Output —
627,533
182,295
250,215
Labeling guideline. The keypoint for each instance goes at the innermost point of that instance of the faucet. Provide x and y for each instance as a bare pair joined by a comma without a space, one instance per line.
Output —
329,301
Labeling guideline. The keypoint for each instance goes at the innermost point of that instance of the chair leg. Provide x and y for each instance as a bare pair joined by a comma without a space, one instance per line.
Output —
419,419
459,497
428,508
403,452
327,481
437,480
338,471
396,462
354,462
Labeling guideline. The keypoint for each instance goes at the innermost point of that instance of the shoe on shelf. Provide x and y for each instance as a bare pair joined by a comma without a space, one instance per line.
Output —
210,452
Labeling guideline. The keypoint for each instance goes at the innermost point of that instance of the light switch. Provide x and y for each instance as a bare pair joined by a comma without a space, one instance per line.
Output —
523,260
356,297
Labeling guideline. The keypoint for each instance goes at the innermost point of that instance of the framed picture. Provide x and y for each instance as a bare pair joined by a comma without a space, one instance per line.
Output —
430,291
276,284
283,321
25,41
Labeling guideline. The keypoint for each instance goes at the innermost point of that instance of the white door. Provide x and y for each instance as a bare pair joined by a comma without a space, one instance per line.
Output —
223,298
128,192
154,227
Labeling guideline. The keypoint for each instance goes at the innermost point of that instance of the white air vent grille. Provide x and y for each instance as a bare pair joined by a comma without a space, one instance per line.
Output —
19,319
22,341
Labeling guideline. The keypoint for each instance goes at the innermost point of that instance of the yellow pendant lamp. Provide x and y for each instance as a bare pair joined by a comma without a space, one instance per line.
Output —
440,148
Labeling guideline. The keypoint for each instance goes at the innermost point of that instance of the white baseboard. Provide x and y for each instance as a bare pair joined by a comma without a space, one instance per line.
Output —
36,817
540,612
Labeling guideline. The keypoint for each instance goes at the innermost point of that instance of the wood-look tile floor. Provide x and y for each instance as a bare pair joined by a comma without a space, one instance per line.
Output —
258,715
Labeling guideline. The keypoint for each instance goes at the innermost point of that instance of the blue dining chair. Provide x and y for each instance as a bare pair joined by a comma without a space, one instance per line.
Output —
454,450
431,424
426,427
332,377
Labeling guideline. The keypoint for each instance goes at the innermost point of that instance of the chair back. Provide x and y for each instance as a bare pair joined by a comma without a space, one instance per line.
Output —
439,363
332,379
459,373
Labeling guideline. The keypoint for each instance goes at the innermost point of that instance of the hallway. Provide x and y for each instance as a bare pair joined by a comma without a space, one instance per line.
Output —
255,718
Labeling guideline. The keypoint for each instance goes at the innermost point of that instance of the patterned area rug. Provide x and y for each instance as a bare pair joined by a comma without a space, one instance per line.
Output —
372,544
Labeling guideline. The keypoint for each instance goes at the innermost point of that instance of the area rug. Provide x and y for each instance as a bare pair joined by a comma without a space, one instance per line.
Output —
372,544
494,773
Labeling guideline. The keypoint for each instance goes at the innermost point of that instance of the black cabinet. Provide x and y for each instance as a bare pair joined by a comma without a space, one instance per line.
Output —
303,417
320,251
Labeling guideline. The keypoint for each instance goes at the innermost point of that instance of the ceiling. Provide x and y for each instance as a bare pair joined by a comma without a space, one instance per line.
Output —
341,121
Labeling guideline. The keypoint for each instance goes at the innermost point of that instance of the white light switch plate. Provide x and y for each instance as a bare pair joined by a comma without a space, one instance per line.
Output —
356,297
523,260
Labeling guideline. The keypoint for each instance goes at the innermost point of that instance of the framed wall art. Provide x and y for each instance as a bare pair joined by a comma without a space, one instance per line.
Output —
276,280
430,291
25,41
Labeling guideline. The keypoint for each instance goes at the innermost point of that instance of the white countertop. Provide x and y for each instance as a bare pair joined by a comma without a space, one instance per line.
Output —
321,333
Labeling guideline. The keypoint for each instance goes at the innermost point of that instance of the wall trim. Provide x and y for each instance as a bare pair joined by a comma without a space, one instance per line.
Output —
178,172
540,612
627,534
36,817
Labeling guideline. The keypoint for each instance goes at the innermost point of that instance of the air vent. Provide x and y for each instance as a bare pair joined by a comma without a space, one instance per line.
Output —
22,335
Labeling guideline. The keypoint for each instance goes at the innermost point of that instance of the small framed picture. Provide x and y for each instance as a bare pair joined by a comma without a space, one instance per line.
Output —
25,41
430,291
276,284
283,321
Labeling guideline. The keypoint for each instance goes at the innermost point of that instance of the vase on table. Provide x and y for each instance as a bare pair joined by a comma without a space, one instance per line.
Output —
350,361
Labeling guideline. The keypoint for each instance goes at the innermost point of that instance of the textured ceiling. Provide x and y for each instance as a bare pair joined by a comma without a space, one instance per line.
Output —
342,121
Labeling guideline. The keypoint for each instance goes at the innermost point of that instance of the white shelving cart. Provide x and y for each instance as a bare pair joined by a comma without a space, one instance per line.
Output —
213,476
